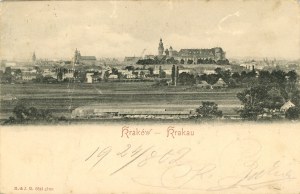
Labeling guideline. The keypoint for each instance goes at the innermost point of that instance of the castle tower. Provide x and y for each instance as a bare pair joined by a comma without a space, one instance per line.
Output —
161,48
33,57
167,52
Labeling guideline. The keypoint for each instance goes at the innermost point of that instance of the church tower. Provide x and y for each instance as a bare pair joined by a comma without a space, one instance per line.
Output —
33,57
76,56
161,48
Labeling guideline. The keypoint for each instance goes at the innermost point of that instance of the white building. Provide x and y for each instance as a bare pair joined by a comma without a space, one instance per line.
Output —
112,76
184,71
68,75
127,74
49,73
28,76
89,77
287,106
208,72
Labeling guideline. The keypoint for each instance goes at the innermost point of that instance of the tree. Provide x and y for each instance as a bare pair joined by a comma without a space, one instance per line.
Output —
10,120
7,75
162,73
218,70
236,76
243,74
252,73
295,97
114,71
45,114
199,61
130,68
106,75
142,74
257,99
278,77
212,78
23,113
292,76
292,80
8,71
252,100
120,76
33,113
264,77
60,75
292,113
20,112
203,77
274,99
223,62
172,61
173,74
224,74
232,83
76,74
151,70
190,61
186,79
209,110
177,74
39,77
18,73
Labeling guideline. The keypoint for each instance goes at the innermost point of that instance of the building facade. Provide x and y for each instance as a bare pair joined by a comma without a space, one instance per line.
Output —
192,56
85,60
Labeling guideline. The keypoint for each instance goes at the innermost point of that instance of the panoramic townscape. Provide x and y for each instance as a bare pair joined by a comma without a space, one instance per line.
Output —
173,84
162,61
142,96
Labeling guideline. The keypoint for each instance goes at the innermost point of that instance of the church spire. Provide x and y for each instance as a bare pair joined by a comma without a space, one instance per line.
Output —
33,57
160,47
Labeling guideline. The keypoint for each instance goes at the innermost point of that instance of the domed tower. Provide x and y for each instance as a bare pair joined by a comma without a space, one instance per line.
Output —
161,48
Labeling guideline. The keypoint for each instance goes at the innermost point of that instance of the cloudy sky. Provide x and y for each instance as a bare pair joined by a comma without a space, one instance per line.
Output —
53,29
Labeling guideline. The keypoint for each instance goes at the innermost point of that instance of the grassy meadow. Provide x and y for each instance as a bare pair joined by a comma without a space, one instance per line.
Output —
62,98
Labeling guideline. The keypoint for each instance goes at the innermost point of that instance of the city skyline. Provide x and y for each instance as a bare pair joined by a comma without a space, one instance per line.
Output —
117,29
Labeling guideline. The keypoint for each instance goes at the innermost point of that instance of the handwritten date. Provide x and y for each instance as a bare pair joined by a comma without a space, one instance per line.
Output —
178,168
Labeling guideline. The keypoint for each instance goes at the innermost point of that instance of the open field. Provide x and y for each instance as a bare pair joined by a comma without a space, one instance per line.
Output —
61,99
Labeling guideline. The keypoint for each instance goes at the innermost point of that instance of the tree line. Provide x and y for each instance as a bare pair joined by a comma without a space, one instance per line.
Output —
268,92
172,60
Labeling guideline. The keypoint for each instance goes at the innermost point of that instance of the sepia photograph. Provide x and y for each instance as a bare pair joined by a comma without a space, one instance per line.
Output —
73,61
85,85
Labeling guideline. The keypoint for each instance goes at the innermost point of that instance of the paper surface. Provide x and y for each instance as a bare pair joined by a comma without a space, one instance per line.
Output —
145,157
237,158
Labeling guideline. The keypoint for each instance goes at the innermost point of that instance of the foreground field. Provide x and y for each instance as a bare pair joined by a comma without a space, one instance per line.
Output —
61,99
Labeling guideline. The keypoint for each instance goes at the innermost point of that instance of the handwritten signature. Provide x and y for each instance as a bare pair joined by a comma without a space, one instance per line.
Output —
178,168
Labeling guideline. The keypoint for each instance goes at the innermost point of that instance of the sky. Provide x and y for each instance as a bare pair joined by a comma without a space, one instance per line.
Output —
54,29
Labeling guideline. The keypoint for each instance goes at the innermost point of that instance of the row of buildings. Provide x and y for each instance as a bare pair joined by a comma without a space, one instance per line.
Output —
216,53
92,112
136,112
185,56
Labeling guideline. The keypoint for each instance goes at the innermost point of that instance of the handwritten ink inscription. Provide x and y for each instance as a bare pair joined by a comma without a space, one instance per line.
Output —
177,168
